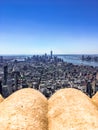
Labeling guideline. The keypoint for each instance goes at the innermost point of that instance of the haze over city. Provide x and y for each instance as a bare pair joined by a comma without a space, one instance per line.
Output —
36,27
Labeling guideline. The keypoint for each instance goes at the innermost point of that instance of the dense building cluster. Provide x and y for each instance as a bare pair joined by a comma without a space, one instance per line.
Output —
90,58
46,73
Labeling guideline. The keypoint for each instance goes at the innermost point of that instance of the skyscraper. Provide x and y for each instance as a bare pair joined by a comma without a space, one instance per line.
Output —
1,59
51,54
0,87
5,74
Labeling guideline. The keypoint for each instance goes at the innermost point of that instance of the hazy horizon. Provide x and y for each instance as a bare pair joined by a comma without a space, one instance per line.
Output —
37,27
47,54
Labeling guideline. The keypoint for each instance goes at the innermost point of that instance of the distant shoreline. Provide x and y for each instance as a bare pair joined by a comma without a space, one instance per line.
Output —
49,54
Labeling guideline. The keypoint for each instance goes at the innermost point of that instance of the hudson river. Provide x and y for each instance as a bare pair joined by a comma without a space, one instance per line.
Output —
76,59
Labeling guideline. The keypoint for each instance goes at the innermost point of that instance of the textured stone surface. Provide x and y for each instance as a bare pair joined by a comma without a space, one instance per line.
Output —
1,98
25,109
70,109
95,99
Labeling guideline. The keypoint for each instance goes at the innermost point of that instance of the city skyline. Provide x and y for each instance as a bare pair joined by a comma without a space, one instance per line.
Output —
65,27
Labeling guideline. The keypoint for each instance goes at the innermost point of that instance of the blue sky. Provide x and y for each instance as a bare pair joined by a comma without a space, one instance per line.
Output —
37,27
